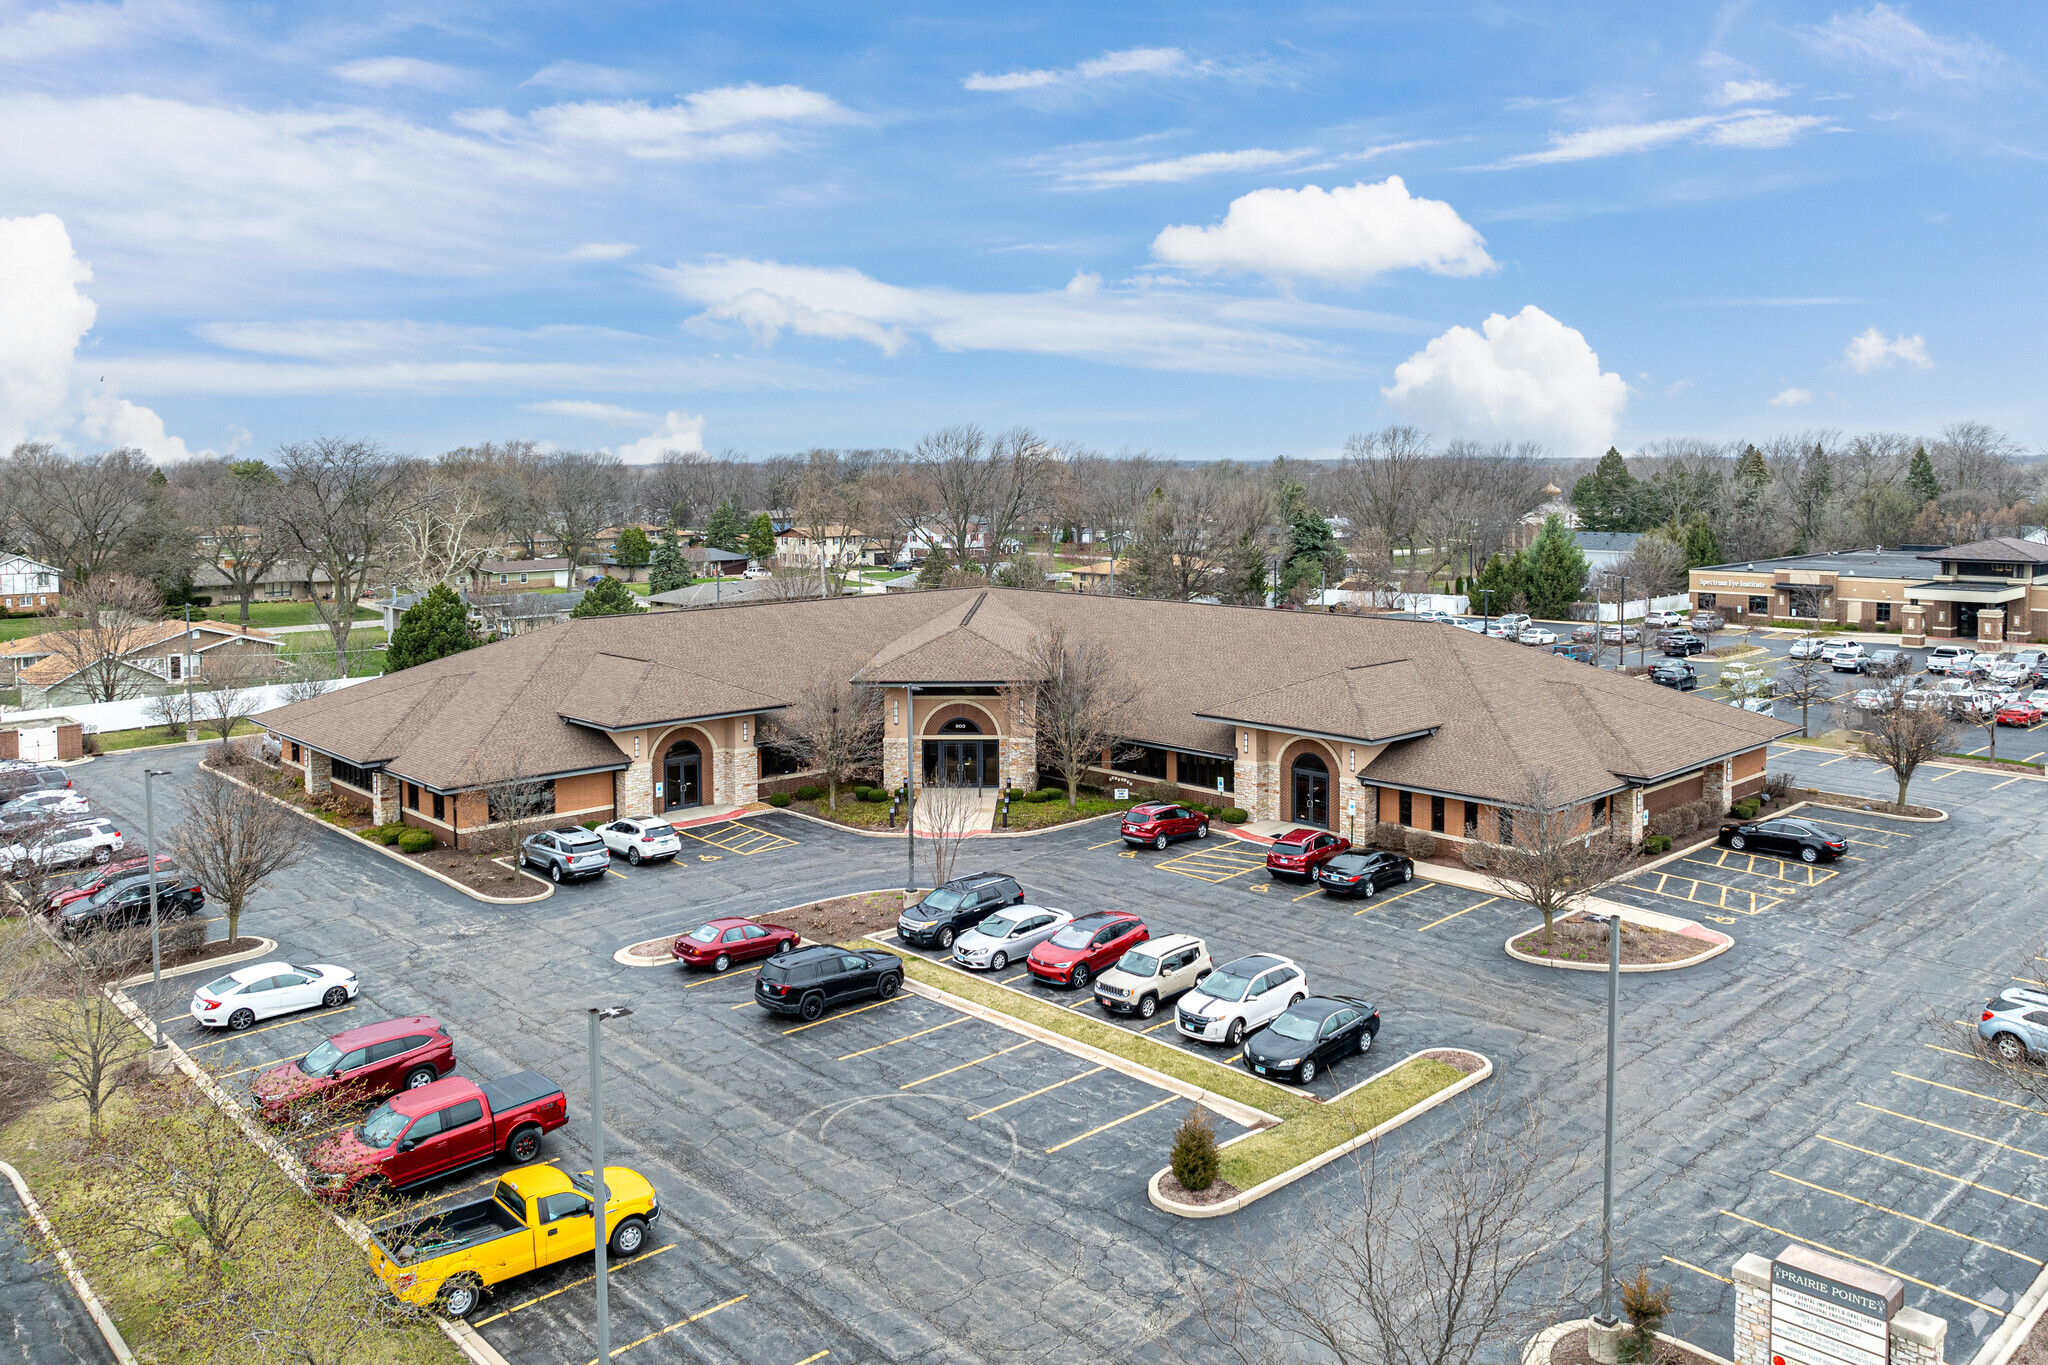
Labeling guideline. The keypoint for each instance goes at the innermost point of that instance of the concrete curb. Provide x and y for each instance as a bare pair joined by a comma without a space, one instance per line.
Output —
1858,810
2003,1344
547,887
1537,1352
1322,1159
1713,950
897,833
268,945
93,1307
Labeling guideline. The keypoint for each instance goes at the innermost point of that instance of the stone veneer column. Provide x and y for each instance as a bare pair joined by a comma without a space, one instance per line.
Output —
1991,627
1717,781
746,775
319,772
384,802
894,763
1913,626
633,789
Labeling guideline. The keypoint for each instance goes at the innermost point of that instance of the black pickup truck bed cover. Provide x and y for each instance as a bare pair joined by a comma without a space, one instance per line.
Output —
521,1087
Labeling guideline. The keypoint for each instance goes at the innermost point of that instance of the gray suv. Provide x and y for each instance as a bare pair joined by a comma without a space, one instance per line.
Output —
2015,1023
566,854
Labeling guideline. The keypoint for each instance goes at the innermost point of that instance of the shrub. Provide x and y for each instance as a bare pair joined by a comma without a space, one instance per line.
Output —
874,795
779,800
415,841
1647,1306
1387,834
1236,815
1706,814
1195,1158
1746,808
1657,843
1049,794
1165,793
1474,854
809,792
386,833
1421,844
590,824
1017,794
1778,786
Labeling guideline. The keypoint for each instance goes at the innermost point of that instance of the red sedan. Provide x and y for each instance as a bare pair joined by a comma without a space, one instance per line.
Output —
1155,823
2020,713
1299,852
722,942
1076,953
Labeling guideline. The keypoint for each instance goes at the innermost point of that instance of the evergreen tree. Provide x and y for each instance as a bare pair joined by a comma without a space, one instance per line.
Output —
761,539
1607,499
1751,472
634,547
1146,568
727,531
933,574
432,628
1556,570
1504,578
1920,476
609,598
1311,545
667,569
1701,548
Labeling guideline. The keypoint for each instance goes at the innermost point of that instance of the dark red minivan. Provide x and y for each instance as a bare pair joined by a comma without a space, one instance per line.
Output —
358,1066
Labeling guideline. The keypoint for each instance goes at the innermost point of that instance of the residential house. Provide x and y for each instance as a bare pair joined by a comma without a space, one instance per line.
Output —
1605,549
28,585
500,615
279,583
842,547
156,659
519,575
707,561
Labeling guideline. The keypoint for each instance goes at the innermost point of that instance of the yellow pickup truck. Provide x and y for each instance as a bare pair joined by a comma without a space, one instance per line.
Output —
536,1216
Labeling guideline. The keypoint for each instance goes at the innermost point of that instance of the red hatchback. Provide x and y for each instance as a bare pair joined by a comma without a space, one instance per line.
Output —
1156,824
722,942
358,1066
1299,852
1076,953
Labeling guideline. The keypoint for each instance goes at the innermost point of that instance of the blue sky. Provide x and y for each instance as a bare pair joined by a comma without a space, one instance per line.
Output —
1210,233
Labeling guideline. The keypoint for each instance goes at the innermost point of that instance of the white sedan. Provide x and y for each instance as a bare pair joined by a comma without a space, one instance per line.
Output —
247,994
1537,635
1437,618
640,839
1657,619
1240,997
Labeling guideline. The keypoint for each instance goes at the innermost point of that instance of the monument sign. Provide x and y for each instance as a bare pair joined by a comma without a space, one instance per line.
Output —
1826,1311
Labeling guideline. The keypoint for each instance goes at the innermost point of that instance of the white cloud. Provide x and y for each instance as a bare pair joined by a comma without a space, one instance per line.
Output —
47,316
1346,234
583,76
732,120
1182,168
1528,376
602,251
1759,130
118,422
609,413
53,33
1883,38
1136,323
408,71
1792,398
1751,92
1868,350
678,431
1751,129
1134,61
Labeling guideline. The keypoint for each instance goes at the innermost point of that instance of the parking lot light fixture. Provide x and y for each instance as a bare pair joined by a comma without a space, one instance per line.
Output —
156,948
598,1189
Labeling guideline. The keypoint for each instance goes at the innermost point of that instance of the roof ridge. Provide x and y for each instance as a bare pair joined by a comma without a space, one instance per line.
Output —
972,609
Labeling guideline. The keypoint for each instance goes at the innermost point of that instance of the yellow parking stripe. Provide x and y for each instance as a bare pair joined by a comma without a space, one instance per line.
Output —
1835,1251
849,1014
1375,902
1448,918
1111,1124
610,1268
905,1038
1035,1094
807,1360
1908,1217
275,1061
685,1322
1929,1170
1708,1273
964,1065
265,1028
742,838
724,976
1905,1075
1929,1123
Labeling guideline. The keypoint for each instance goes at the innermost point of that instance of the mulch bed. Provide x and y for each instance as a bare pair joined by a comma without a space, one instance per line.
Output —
220,947
1466,1062
1579,940
840,919
1570,1349
1846,802
478,872
1218,1191
2034,1350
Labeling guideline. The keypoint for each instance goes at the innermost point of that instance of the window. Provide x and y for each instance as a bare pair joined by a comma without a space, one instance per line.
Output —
1600,811
522,800
1436,814
778,762
754,931
1210,774
277,590
295,752
385,1051
177,667
360,1057
1140,761
1507,825
522,578
353,776
1471,821
1760,604
461,1115
1407,808
1706,599
504,579
1884,611
412,796
564,1205
440,809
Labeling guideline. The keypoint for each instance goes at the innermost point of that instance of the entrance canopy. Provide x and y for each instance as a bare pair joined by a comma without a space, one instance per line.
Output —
1981,592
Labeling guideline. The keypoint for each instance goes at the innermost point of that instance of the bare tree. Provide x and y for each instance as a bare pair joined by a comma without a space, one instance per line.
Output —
341,499
306,676
233,511
232,692
1415,1261
440,533
1553,855
833,727
1904,731
1805,683
172,710
234,840
1078,701
94,514
117,614
945,816
585,494
84,1037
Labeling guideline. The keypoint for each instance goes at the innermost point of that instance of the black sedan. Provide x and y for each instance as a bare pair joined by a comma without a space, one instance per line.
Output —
1360,873
804,982
1801,839
121,904
1312,1034
1679,646
1683,677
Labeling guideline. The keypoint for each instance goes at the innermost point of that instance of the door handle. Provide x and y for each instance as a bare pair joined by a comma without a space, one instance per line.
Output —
551,1232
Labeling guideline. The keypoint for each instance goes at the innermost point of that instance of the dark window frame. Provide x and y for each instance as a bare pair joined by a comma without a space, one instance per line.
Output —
1139,760
1706,599
348,774
1436,815
1408,809
1884,612
1200,770
440,806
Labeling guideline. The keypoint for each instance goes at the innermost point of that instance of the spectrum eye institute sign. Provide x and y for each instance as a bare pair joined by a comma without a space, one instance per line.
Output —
1828,1312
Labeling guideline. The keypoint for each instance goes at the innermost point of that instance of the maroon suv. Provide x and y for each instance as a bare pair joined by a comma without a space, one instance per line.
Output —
1299,852
358,1066
1157,824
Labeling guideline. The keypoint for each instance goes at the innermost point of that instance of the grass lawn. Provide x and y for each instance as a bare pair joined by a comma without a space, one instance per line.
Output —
1045,814
263,614
115,741
365,649
20,627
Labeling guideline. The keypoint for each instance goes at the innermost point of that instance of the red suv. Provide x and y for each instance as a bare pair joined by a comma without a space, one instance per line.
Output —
1076,953
722,942
1155,824
1299,852
358,1066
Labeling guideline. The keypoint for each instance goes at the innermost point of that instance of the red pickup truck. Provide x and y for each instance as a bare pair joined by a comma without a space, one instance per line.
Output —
420,1134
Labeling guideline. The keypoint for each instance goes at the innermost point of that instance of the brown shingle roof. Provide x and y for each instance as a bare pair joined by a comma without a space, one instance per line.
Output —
53,667
2009,549
1504,716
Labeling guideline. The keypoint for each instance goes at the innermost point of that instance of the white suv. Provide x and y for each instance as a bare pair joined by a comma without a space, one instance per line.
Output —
1153,973
641,838
1240,997
1950,659
1663,618
87,841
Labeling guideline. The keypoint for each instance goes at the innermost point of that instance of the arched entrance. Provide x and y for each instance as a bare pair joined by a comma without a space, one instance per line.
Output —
682,783
1311,791
961,758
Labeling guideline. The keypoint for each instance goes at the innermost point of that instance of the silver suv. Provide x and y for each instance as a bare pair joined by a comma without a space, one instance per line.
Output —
2015,1023
566,854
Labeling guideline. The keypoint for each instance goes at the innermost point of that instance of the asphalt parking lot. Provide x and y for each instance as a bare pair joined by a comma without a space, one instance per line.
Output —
832,1189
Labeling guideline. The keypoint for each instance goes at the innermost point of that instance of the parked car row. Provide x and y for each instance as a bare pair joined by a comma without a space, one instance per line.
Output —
572,852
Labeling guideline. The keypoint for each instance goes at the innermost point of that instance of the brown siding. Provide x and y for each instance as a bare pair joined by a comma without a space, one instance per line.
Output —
586,792
1677,794
1749,764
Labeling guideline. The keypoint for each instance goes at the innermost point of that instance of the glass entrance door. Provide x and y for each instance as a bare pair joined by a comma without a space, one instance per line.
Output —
961,763
1311,791
680,785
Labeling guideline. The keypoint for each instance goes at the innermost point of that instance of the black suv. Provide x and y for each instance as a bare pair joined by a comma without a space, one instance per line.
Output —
807,980
1678,646
1682,676
126,902
956,907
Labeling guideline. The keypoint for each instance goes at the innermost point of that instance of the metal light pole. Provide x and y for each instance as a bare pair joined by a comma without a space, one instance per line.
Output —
1607,1320
598,1192
910,757
191,719
156,948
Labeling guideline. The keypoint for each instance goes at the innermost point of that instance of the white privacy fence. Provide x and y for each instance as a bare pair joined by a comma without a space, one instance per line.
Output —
1640,607
129,714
